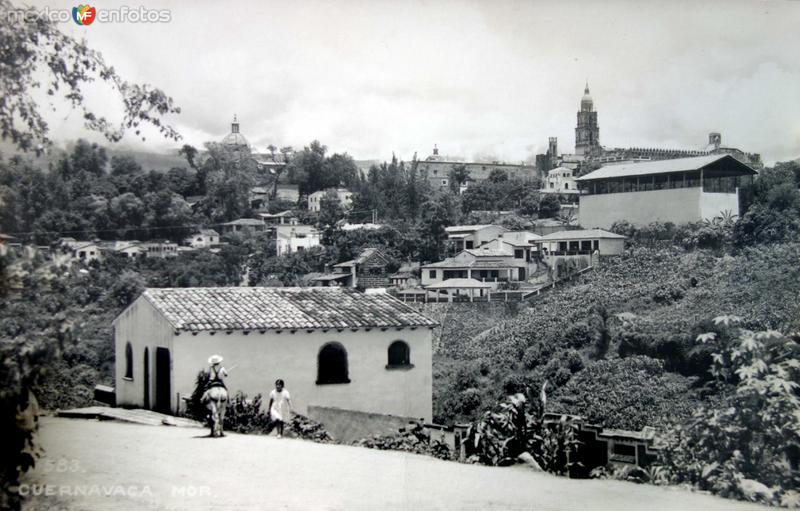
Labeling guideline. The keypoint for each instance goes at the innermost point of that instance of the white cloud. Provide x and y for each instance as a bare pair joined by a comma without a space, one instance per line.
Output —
475,77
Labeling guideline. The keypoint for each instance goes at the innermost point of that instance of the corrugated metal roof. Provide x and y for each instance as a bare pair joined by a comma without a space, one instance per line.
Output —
264,308
658,167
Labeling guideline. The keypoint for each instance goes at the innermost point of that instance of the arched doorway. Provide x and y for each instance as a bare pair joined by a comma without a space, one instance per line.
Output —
163,384
147,378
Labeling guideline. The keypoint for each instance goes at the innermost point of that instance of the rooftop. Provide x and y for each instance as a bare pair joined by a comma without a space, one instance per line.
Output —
362,257
490,252
271,308
245,221
582,235
468,228
667,166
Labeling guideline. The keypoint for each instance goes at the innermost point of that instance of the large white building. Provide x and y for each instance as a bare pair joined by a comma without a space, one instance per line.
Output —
335,348
315,199
678,191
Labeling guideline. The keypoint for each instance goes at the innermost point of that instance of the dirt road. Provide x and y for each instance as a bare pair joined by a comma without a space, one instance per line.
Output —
109,465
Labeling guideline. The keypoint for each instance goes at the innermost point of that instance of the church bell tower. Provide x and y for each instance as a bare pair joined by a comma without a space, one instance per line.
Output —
587,132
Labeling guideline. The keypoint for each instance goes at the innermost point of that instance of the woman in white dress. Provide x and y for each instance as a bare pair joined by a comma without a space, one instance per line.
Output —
280,406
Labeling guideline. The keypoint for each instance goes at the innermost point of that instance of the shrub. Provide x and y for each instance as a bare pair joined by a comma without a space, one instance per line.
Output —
579,335
536,355
749,447
499,437
414,439
244,415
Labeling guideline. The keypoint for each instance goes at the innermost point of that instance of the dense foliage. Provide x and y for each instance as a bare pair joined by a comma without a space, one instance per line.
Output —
624,331
748,447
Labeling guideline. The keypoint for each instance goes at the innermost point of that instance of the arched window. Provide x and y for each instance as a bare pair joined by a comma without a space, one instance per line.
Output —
128,361
332,364
399,355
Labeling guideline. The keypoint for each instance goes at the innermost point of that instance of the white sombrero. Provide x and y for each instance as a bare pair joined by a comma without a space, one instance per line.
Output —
214,359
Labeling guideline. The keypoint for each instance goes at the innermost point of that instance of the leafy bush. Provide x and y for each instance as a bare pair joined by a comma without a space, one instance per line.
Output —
749,446
244,415
414,439
499,437
302,427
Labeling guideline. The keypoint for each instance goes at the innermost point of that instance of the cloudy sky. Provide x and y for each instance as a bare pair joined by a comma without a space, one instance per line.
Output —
484,78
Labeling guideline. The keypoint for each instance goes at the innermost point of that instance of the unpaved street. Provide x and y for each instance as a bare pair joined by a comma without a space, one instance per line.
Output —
110,465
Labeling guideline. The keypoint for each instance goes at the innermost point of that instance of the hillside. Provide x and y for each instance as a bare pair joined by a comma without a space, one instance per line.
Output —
155,467
618,345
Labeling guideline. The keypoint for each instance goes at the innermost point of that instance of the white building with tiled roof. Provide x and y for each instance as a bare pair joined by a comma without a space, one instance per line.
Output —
336,349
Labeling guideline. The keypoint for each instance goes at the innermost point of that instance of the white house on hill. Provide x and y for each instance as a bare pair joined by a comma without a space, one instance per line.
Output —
295,238
463,237
678,191
315,199
335,348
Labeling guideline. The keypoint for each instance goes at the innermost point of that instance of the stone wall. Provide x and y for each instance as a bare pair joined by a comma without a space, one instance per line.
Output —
348,425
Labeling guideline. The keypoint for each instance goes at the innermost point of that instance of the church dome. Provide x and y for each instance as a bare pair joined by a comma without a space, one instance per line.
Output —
586,100
234,138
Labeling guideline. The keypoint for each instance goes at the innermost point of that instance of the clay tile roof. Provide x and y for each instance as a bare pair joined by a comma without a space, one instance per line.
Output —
263,308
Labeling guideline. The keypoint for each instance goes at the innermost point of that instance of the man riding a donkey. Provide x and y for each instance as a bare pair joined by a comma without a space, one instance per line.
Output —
216,395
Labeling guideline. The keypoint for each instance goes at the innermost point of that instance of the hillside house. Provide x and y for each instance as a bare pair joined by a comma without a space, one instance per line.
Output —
678,191
335,348
367,271
582,242
282,218
315,199
204,238
463,237
524,244
243,225
87,251
493,263
259,196
129,249
160,248
406,276
561,180
295,238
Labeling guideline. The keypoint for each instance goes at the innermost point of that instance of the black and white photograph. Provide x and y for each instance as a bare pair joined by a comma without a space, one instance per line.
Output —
428,255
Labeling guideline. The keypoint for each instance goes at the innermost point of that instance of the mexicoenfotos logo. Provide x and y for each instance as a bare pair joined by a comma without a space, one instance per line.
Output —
84,14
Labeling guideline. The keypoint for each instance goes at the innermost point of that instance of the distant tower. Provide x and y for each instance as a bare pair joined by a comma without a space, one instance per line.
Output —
552,147
587,133
714,139
435,150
